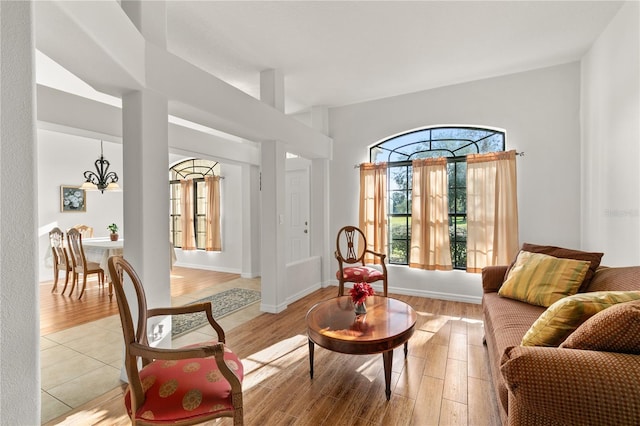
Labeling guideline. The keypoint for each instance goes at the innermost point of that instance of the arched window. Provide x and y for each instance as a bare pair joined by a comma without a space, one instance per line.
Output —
195,170
455,143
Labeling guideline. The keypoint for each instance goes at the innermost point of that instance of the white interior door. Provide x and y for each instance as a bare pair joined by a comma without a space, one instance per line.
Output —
297,217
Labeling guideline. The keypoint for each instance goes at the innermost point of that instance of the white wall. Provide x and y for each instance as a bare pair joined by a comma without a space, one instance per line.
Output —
540,112
611,140
62,160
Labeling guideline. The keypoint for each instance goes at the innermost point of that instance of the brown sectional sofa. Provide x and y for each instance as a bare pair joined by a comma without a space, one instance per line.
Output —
557,386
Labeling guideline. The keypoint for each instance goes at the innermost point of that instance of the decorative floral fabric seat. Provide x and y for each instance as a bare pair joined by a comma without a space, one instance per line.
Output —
360,274
185,389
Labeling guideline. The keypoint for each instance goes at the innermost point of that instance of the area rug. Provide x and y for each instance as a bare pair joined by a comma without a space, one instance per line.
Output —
222,304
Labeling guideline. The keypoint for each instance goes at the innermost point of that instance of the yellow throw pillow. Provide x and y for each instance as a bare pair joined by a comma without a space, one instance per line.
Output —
540,279
563,317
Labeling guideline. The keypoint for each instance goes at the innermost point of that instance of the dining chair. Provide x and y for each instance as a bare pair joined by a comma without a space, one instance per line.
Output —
79,262
60,258
85,230
350,252
184,386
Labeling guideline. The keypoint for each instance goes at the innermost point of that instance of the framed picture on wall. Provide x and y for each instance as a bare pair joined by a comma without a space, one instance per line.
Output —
72,199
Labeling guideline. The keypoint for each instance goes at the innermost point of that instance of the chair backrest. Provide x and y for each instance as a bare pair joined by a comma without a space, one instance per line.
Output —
351,245
56,239
85,231
76,251
120,271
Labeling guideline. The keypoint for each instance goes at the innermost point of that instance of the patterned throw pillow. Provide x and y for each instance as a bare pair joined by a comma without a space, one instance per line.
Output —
567,314
541,280
616,329
567,253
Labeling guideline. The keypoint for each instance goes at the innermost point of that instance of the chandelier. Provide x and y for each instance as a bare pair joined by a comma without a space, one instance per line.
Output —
103,180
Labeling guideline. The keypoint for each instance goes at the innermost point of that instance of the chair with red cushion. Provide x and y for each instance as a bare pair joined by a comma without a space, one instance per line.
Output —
184,386
350,252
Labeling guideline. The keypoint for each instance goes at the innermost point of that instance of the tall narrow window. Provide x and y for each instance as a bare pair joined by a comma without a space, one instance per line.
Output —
454,143
196,227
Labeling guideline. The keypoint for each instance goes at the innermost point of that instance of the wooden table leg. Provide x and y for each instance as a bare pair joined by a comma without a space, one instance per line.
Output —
387,358
311,347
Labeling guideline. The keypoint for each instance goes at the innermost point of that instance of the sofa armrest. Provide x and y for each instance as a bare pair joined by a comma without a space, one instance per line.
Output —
493,277
571,386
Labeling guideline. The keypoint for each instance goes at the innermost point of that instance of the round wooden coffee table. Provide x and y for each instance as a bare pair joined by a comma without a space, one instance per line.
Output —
387,324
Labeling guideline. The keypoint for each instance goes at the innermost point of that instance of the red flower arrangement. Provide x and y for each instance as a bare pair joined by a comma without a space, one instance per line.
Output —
360,291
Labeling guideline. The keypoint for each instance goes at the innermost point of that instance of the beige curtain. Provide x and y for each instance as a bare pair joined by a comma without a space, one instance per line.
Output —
212,215
492,210
373,211
186,215
430,248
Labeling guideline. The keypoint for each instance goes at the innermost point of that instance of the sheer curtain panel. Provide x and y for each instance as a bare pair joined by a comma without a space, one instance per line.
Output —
492,210
212,215
373,211
186,216
430,247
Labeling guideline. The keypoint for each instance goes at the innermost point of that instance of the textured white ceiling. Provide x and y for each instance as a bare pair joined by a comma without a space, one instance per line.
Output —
341,52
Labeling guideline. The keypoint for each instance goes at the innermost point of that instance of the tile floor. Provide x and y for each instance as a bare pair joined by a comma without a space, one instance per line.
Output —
81,363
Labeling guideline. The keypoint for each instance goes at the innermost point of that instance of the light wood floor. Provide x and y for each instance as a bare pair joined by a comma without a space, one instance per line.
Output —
445,380
61,311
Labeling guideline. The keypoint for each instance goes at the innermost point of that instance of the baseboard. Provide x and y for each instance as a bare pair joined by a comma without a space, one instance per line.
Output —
208,268
307,291
454,297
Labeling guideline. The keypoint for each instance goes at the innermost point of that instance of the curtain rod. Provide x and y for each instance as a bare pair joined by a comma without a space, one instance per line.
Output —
519,154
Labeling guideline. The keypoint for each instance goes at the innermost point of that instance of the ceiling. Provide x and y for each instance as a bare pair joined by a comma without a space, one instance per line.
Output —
335,53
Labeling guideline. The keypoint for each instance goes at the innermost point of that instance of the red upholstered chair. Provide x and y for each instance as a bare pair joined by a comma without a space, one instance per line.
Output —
182,386
350,251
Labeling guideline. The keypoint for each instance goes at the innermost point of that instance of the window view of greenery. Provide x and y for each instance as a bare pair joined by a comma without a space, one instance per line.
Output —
196,170
452,142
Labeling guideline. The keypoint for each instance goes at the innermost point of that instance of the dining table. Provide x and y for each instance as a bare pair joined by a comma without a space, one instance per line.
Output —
100,249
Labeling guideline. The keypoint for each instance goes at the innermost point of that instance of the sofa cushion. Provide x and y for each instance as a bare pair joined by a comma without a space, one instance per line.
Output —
566,253
540,279
615,329
564,316
616,279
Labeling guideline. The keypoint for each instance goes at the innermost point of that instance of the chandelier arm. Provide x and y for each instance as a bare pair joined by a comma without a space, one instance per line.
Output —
111,177
91,177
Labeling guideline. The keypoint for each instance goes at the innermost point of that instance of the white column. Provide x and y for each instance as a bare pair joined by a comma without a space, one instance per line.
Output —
146,195
272,203
272,227
145,141
322,243
250,221
150,18
19,304
272,88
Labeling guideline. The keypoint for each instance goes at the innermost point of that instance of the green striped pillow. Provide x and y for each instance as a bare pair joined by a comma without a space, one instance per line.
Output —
563,317
540,279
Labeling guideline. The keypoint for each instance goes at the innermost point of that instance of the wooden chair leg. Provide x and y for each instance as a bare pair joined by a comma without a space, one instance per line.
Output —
55,278
84,285
66,281
341,288
74,279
